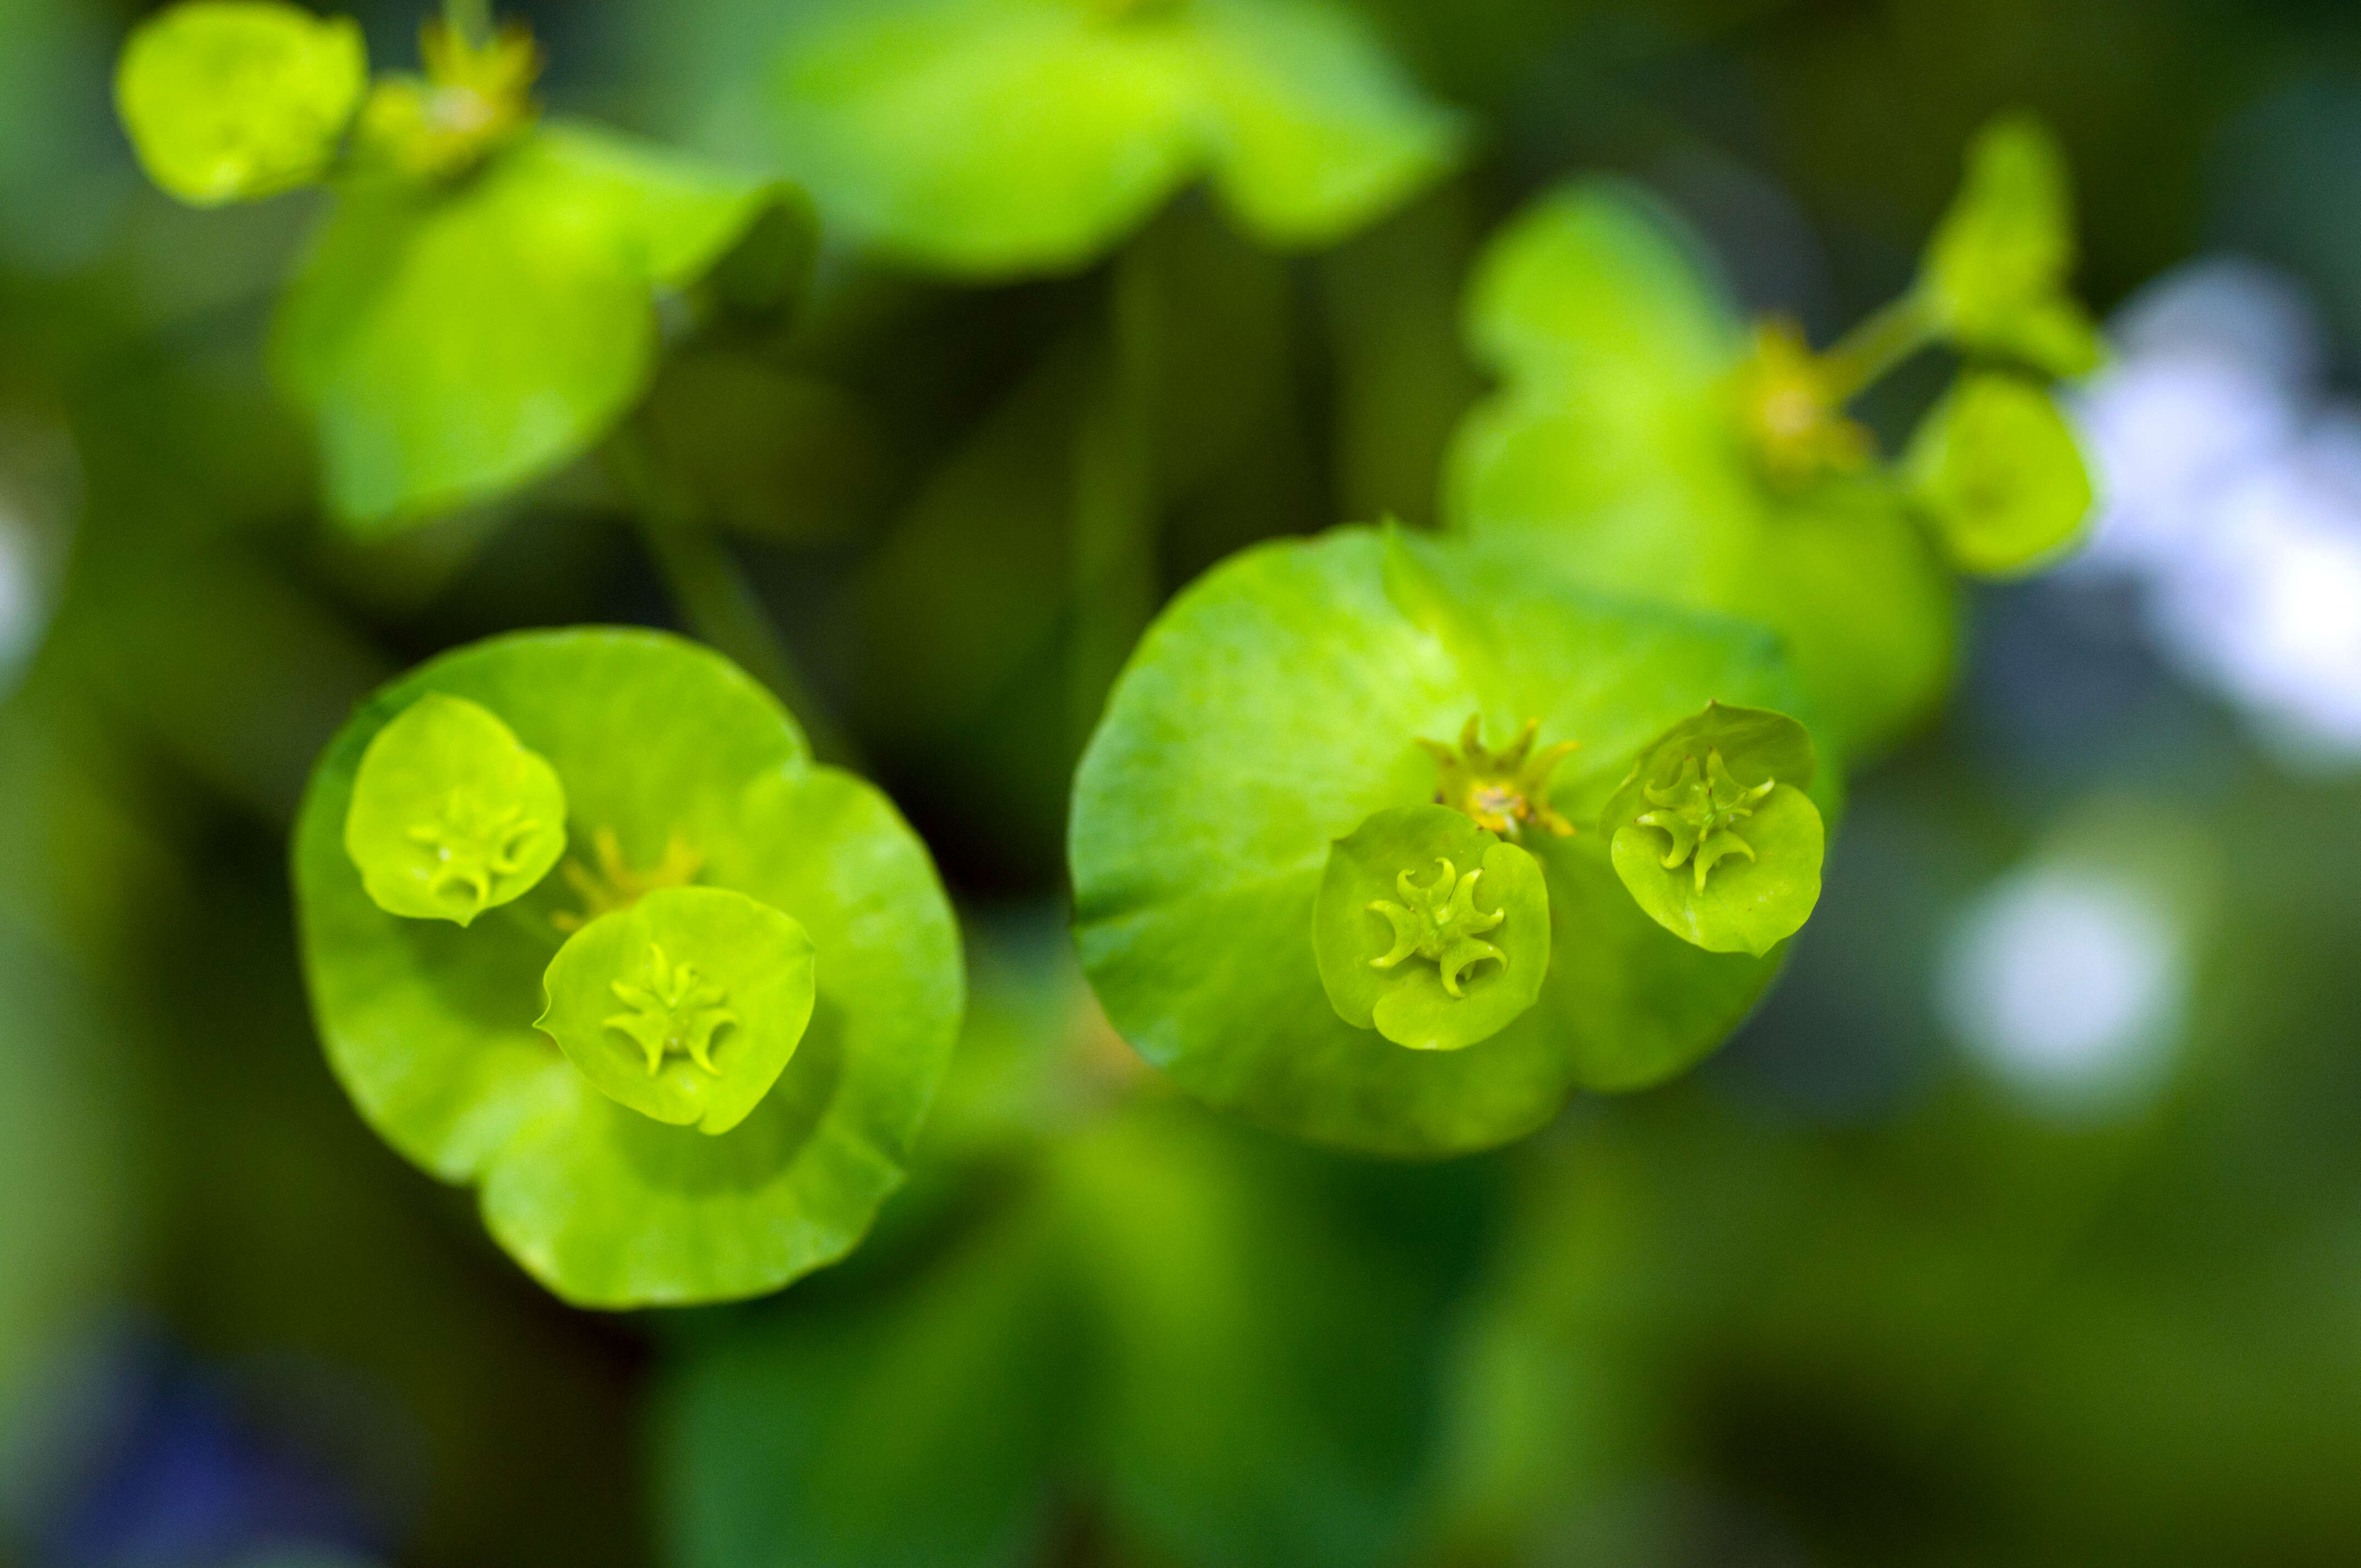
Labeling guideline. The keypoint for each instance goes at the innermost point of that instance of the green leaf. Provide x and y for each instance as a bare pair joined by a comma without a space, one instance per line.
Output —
1310,130
1278,703
1229,1273
1997,468
451,344
917,1428
991,136
1615,446
685,1006
234,100
1597,295
450,815
1713,834
1138,1282
1438,966
679,770
69,1139
1997,268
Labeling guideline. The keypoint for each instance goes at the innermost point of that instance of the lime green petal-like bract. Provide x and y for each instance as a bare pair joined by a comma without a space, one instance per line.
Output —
674,757
451,342
996,137
1615,446
1274,706
235,100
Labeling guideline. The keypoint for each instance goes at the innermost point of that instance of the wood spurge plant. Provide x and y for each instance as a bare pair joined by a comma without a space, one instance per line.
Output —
686,1083
1385,838
478,305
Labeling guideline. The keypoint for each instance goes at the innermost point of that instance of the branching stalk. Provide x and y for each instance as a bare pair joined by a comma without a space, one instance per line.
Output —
1112,577
471,20
1878,343
711,591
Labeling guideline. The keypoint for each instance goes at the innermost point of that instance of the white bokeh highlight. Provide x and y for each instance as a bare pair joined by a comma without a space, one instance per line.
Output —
2232,495
20,596
2069,983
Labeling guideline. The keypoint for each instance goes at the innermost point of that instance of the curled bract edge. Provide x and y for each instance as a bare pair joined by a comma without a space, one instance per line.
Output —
1712,832
1997,471
235,99
685,1006
1997,268
1429,929
451,814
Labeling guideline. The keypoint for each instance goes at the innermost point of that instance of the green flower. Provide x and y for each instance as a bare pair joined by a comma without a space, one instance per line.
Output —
1714,833
450,815
1658,448
478,307
1998,472
1440,923
235,100
788,934
1499,790
1437,965
1996,271
715,990
1701,814
1646,442
1257,783
996,137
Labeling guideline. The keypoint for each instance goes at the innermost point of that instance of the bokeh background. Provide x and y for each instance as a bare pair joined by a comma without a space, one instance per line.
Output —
2022,1226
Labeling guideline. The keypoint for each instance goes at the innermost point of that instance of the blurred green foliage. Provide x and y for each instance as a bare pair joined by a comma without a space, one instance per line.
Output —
1846,1297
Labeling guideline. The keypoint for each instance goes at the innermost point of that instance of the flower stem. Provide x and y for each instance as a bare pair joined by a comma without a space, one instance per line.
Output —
1879,343
470,20
713,595
1112,572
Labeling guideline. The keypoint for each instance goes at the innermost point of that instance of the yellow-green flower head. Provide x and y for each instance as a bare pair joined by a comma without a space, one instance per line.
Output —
473,98
1700,812
1500,791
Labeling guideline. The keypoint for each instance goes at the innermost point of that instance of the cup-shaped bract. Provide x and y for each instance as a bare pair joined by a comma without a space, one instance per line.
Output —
450,814
1621,444
1713,831
1429,929
450,342
232,100
1276,704
1997,467
679,772
685,1006
1997,268
995,136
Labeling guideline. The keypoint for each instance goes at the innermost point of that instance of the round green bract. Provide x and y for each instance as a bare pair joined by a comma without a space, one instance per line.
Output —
1996,466
1274,706
450,815
1614,447
228,101
451,342
1997,267
1748,901
685,1006
1408,1002
991,137
430,1027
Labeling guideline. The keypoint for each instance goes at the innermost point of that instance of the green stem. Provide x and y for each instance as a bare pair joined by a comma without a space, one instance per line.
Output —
471,20
1875,346
1112,572
715,597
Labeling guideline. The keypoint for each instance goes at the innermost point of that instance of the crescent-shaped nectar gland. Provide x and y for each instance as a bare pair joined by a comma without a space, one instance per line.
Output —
1699,811
1440,923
